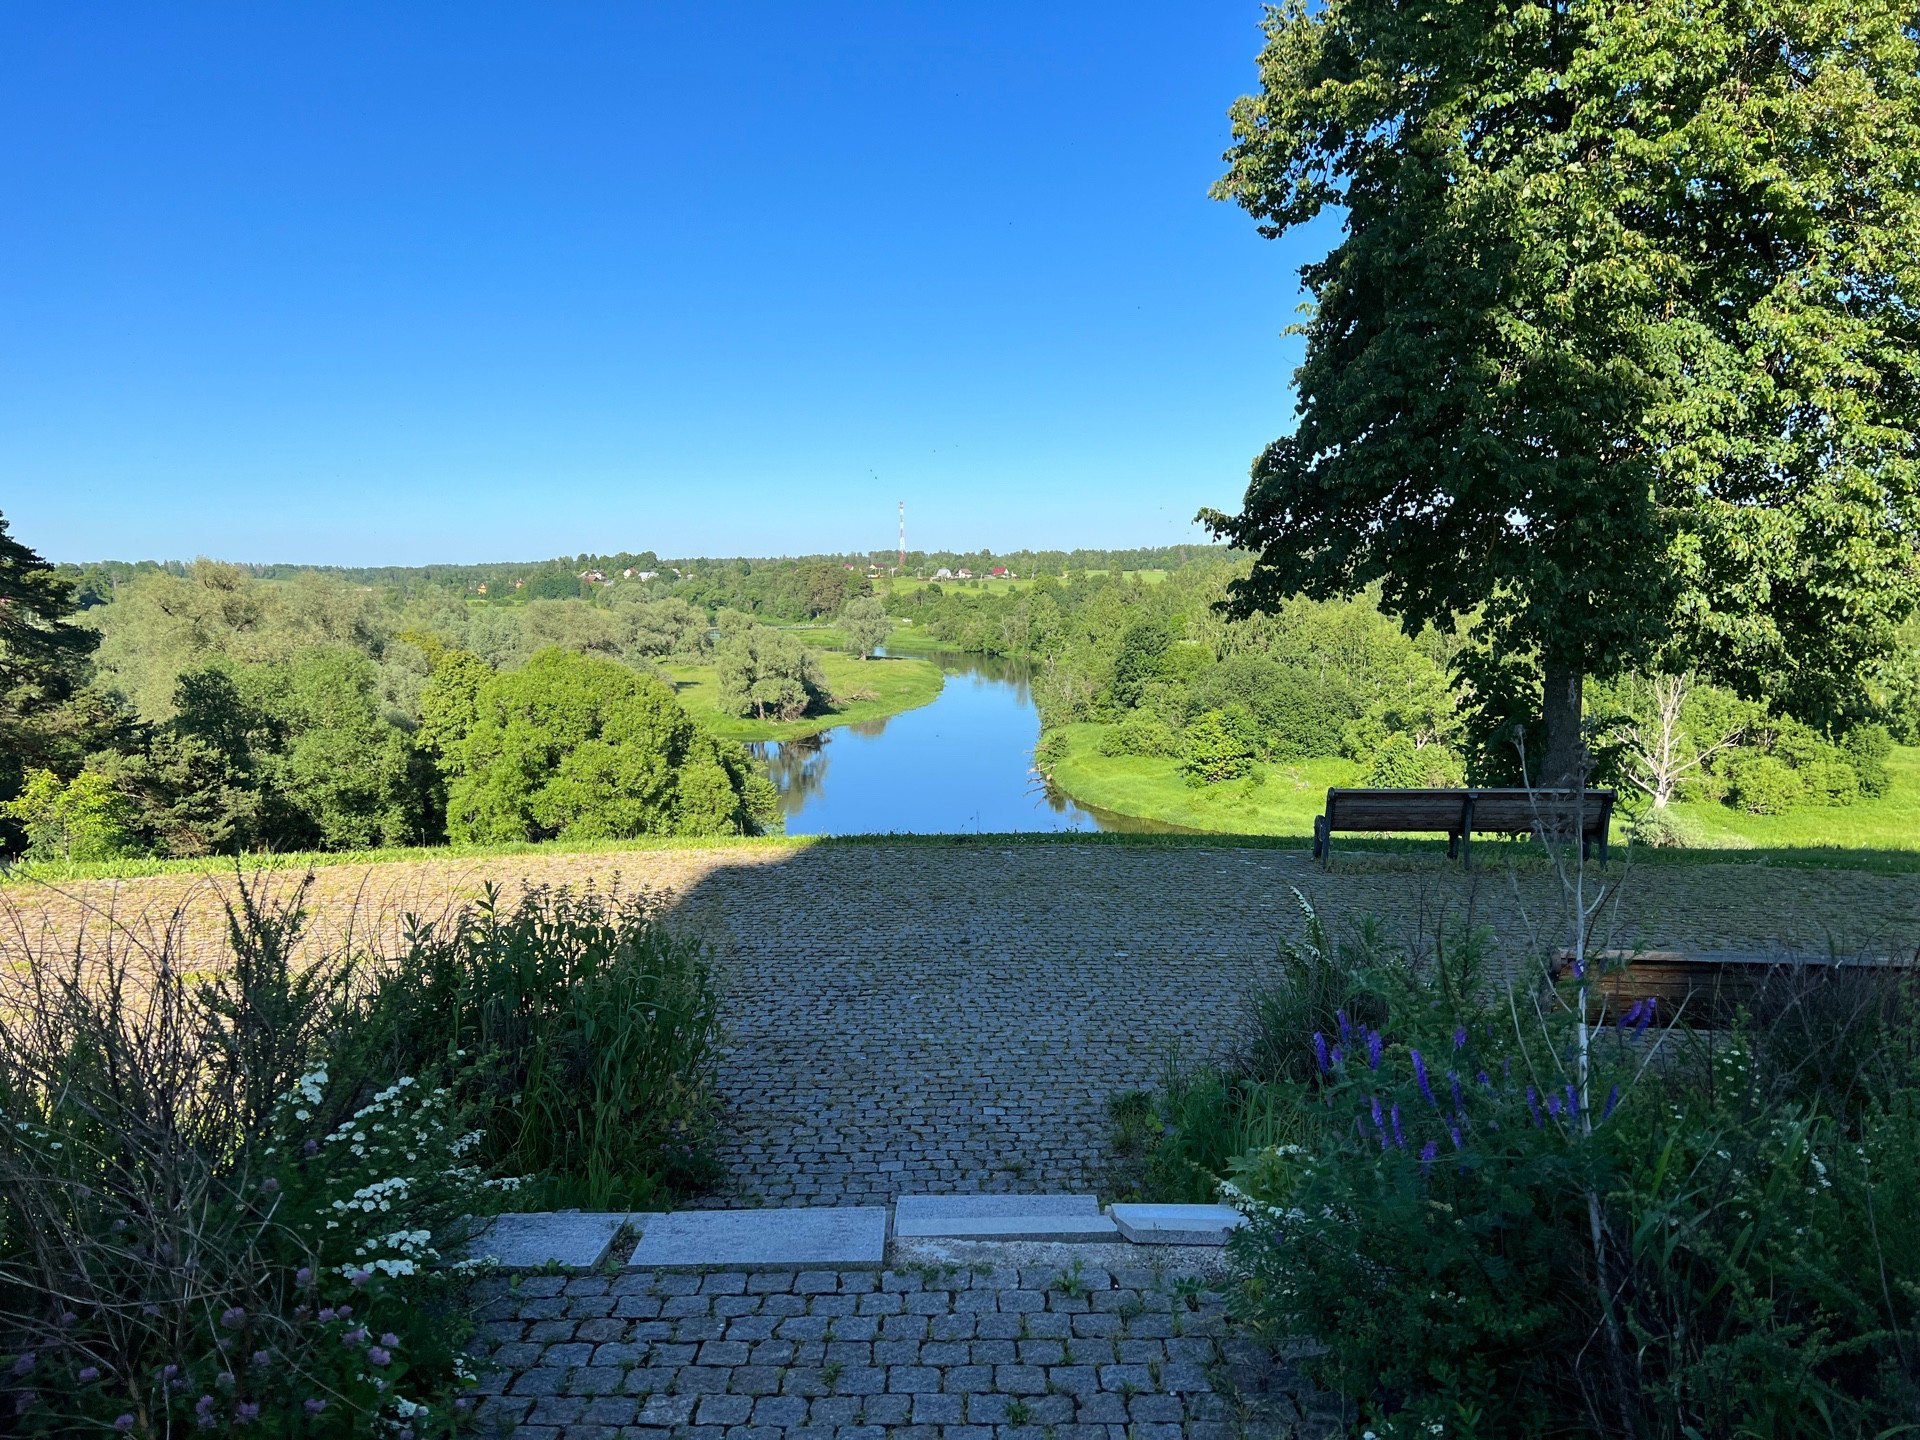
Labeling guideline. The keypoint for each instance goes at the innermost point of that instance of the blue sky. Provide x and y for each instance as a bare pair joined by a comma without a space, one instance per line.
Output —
397,284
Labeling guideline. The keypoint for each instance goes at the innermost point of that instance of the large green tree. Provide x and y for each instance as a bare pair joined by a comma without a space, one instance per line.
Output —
1620,341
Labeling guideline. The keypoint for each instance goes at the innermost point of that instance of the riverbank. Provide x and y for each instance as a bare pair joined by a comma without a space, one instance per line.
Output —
870,689
1877,834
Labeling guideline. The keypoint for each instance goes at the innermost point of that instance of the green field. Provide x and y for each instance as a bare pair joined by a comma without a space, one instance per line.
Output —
1882,833
897,683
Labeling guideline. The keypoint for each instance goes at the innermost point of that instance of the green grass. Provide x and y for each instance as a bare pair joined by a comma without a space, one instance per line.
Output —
1882,834
897,683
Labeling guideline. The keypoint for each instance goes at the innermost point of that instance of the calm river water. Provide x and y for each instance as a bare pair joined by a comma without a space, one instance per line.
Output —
964,762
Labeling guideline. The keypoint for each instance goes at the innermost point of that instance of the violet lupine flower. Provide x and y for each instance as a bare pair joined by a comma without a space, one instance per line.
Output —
1533,1104
1346,1032
1632,1014
1373,1050
1573,1104
123,1422
1453,1132
1339,1056
1379,1123
1460,1037
314,1407
1646,1017
1506,1068
1320,1051
1420,1074
1553,1106
1454,1080
1613,1099
1428,1151
1398,1138
377,1356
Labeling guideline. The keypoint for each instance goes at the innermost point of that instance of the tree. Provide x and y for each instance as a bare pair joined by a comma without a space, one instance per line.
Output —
1660,751
867,626
761,669
579,748
1621,343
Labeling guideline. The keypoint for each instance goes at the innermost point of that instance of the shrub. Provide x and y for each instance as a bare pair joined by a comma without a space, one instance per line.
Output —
596,1028
1140,734
1868,748
1219,746
86,818
1400,764
1761,784
203,1223
1494,1228
1662,829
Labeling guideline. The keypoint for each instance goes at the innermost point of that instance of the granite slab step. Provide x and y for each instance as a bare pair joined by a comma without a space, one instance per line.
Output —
1074,1218
1176,1224
570,1239
847,1237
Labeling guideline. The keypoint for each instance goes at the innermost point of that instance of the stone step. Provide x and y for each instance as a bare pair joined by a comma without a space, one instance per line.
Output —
570,1239
848,1237
1001,1217
1176,1224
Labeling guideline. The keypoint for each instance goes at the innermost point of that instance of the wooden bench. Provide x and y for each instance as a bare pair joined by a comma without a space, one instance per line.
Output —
1711,987
1459,813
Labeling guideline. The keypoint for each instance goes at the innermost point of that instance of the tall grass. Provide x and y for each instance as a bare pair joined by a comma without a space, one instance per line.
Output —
585,1031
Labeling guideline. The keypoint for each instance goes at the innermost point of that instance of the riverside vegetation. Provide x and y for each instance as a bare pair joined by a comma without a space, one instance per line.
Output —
235,1191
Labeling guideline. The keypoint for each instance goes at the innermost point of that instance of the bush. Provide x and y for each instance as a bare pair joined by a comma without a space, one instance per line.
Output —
86,818
1488,1238
1868,748
1762,784
205,1221
1662,829
595,1026
1140,734
1219,746
1399,764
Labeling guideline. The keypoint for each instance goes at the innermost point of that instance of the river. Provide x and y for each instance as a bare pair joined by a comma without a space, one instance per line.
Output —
962,763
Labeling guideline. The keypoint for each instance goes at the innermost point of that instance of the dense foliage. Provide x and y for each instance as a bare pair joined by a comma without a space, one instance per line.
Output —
1497,1223
1618,344
240,1197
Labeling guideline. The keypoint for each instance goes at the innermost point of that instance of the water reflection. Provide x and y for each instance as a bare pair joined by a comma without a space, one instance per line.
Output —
963,762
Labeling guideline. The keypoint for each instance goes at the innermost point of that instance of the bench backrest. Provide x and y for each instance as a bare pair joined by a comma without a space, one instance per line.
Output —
1512,811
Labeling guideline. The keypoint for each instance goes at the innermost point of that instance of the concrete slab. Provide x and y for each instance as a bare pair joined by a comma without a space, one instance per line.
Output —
1176,1224
848,1237
1127,1265
1069,1218
572,1239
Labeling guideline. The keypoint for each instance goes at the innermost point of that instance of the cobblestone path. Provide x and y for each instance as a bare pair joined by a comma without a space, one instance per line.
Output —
971,1352
920,1018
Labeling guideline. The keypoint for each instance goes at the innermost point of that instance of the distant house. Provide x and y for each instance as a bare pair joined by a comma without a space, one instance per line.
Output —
483,589
1001,572
966,574
641,575
593,577
944,574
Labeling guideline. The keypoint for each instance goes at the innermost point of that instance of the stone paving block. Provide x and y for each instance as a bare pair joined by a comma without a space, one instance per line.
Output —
1071,1218
570,1238
1176,1224
847,1237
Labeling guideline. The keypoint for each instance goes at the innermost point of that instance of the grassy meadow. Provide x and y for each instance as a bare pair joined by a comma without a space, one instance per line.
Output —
894,683
1882,833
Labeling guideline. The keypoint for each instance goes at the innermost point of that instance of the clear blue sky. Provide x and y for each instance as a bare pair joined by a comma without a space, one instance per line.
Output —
405,283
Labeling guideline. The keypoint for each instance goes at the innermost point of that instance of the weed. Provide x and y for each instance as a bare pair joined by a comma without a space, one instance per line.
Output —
1019,1413
1072,1281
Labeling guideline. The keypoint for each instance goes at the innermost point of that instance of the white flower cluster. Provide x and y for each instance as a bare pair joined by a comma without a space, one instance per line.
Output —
381,1195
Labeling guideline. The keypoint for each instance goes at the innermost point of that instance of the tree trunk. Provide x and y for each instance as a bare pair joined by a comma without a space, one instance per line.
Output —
1564,767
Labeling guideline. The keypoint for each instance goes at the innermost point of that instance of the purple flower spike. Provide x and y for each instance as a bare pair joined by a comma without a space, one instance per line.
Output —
1346,1032
1373,1050
1454,1081
1379,1122
1482,1078
1320,1051
1553,1106
1633,1014
1453,1133
1427,1152
1398,1138
1460,1037
1533,1104
1646,1017
1573,1104
1420,1074
1339,1056
1613,1099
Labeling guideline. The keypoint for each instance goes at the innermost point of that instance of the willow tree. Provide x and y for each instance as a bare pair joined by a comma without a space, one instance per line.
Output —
1620,344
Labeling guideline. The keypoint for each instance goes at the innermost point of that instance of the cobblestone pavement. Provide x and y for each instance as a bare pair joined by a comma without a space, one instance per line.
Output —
965,1352
919,1018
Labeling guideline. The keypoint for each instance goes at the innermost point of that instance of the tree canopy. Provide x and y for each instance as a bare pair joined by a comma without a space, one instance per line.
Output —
1620,347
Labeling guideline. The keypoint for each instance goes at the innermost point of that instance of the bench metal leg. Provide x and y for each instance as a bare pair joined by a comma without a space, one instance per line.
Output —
1322,840
1466,834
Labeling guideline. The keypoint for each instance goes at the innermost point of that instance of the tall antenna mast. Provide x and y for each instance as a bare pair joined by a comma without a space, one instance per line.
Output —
903,537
